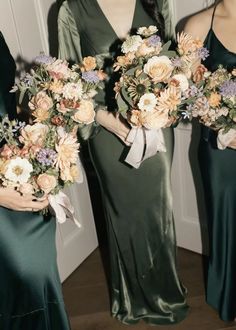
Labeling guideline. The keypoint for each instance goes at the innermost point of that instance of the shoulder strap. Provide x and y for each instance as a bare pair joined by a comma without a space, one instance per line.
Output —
213,15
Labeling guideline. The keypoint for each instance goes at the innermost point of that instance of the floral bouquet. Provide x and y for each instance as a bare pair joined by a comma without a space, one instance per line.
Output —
214,104
39,159
151,92
60,95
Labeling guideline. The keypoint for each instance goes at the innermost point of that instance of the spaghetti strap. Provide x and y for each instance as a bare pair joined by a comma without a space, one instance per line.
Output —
213,15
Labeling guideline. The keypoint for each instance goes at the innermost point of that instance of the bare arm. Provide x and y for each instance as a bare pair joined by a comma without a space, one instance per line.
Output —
11,199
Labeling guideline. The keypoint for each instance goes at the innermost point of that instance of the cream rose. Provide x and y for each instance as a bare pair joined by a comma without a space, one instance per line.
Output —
85,113
41,101
183,81
34,134
46,182
159,68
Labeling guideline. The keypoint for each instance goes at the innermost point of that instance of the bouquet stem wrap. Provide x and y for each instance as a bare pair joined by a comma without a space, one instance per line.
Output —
145,143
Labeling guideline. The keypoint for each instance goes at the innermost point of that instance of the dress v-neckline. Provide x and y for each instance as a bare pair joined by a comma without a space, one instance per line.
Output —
220,42
109,23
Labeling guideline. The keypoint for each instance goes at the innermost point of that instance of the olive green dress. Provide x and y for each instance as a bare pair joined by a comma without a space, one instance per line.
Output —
218,171
144,283
30,288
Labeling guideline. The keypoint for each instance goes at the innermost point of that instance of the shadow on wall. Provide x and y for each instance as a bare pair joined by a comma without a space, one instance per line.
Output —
52,29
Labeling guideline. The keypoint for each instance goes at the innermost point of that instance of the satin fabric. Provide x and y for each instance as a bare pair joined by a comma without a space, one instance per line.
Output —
143,279
30,288
218,172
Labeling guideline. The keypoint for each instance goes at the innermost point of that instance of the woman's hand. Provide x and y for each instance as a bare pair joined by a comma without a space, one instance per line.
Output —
114,123
12,199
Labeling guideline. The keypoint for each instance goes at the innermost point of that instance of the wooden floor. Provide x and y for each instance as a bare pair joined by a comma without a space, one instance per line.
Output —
86,298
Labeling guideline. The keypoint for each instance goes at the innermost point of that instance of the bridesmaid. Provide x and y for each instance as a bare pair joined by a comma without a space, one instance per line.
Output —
144,283
30,288
217,28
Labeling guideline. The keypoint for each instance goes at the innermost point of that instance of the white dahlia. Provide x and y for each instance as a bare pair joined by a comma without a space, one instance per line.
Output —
147,102
18,170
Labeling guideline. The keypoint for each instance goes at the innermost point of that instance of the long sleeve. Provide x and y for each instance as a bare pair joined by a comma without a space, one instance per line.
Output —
70,50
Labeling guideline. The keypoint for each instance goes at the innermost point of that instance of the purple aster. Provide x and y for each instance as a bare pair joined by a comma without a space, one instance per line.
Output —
27,79
43,59
228,88
193,91
46,156
203,53
153,41
90,76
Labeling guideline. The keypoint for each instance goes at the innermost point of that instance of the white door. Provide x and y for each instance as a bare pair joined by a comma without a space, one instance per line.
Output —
189,211
25,25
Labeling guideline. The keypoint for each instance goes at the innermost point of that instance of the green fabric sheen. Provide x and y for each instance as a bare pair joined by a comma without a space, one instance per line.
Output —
218,172
30,287
144,283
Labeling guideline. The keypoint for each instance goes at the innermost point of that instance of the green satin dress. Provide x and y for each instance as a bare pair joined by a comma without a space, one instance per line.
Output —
218,172
30,288
143,279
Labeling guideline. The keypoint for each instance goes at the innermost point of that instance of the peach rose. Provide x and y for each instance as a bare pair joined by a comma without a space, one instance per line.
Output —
89,63
46,182
34,134
198,75
41,101
159,68
6,152
85,113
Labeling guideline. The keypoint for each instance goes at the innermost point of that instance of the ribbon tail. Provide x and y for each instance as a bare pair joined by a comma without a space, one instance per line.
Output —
80,178
137,139
154,142
62,207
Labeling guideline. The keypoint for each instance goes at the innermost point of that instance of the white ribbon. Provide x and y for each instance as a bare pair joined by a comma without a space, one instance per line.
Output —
145,143
224,139
62,207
